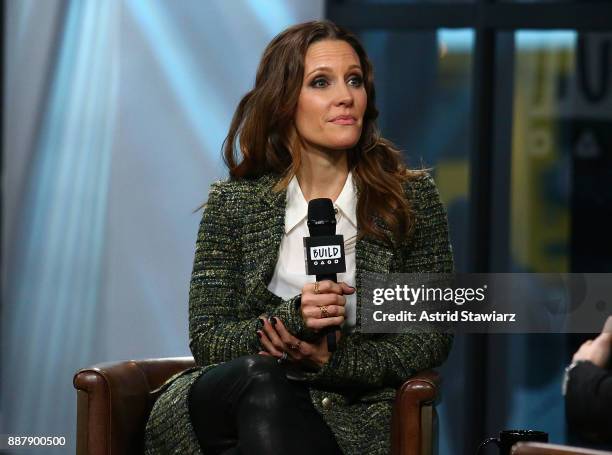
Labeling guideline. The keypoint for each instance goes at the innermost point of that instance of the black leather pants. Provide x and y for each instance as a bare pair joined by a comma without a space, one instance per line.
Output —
248,406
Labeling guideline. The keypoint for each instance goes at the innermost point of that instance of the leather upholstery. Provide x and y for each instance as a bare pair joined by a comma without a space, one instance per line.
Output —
114,400
538,448
414,415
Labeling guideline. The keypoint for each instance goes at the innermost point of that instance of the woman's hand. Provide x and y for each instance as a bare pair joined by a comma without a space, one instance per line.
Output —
276,339
596,351
323,304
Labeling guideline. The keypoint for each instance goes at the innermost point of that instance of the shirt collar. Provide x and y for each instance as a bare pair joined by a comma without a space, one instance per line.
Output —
347,200
297,207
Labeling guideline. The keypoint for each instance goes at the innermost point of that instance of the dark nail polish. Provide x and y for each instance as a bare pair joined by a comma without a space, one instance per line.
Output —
259,334
273,321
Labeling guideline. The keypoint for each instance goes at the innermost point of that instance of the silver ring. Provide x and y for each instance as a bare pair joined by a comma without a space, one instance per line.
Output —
282,358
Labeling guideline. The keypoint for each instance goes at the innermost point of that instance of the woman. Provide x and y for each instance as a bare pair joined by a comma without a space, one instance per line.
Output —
265,382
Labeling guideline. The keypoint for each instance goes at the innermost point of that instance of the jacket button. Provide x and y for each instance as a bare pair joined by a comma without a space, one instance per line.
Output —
326,402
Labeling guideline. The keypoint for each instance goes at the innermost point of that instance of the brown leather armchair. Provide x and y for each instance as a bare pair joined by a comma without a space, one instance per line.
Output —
114,401
538,448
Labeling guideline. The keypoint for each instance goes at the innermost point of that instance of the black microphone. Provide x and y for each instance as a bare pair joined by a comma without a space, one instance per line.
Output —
324,250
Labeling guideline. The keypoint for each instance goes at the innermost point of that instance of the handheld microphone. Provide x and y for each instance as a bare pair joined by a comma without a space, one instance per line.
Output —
324,250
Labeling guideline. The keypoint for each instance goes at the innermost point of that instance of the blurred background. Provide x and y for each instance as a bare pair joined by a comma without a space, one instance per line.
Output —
114,112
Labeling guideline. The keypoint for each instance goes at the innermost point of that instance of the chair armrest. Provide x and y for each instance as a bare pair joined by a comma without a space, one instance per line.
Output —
539,448
114,401
412,430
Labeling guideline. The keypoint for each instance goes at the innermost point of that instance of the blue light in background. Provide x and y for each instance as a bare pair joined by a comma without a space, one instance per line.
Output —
202,104
54,283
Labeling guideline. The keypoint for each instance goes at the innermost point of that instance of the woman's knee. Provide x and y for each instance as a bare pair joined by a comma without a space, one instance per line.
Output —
259,366
266,384
244,377
221,382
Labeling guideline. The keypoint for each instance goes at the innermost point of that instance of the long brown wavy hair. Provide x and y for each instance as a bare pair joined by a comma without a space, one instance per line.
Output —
257,141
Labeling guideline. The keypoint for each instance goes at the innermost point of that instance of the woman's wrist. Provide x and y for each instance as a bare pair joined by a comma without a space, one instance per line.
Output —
324,355
323,358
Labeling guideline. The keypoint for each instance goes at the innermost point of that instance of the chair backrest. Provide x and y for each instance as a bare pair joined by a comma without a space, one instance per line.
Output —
114,401
537,448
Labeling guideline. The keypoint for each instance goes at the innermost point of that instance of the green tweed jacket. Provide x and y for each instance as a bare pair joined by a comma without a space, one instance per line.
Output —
236,252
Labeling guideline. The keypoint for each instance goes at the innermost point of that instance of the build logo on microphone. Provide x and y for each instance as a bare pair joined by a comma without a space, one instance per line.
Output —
324,254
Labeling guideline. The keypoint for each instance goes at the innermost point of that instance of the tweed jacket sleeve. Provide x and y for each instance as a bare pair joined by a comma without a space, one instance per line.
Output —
218,330
383,360
588,402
